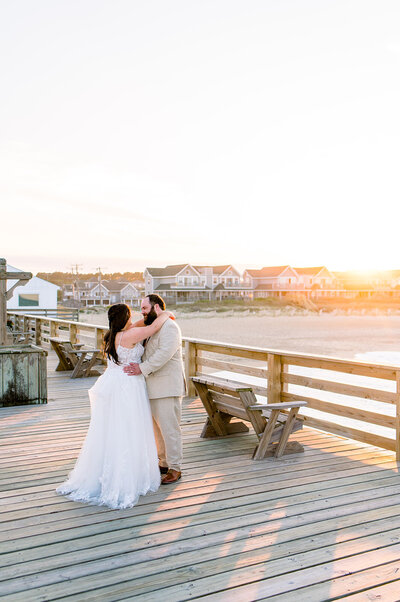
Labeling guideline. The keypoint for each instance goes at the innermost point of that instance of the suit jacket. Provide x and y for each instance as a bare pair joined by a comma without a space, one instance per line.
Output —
162,363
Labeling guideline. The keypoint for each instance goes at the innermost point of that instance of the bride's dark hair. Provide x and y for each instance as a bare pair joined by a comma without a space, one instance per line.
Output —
118,315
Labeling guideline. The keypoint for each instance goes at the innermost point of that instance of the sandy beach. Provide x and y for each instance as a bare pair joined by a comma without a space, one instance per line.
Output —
343,336
370,338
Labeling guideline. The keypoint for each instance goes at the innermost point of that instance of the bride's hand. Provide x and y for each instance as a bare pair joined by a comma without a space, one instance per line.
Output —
170,314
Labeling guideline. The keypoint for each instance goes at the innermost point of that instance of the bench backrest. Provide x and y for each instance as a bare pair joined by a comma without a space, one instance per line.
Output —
234,399
228,402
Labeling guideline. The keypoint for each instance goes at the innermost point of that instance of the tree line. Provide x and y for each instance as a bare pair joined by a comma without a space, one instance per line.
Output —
61,278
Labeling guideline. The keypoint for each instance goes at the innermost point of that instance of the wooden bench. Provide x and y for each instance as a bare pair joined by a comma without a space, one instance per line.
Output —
272,422
19,337
75,357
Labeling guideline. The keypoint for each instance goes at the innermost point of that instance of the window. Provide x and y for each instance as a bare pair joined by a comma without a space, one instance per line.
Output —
26,299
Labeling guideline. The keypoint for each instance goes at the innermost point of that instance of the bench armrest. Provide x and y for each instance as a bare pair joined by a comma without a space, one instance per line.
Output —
80,351
60,341
230,385
279,406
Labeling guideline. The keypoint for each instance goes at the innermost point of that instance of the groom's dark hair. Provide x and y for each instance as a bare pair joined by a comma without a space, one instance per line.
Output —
156,300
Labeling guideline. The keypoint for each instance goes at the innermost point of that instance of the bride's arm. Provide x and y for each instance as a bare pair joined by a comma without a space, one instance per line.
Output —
135,335
138,323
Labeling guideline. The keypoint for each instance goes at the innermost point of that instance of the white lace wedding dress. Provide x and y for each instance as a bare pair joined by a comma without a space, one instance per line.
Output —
118,460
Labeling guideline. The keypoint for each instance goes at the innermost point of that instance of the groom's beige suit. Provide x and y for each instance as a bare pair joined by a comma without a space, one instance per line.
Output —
162,367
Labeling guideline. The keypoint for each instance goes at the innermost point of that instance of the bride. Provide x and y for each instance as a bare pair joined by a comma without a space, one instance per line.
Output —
118,461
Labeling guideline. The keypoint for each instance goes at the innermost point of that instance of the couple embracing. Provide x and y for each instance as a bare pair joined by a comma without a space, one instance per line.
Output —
134,438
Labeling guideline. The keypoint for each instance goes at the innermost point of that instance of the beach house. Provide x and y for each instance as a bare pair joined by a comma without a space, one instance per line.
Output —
186,283
316,278
106,292
271,280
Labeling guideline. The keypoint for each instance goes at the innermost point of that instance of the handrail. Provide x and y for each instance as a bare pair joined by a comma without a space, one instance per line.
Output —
279,375
71,313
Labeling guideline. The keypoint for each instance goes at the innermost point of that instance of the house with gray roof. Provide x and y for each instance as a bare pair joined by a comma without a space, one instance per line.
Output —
185,282
108,292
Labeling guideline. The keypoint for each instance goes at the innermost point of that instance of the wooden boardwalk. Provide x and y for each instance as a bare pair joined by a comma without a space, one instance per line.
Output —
317,526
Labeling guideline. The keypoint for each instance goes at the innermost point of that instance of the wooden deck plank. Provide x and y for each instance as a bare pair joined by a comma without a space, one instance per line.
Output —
249,483
320,532
230,529
383,593
338,587
231,505
20,473
303,579
249,494
215,566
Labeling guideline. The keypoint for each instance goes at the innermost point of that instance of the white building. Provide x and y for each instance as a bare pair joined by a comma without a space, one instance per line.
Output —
35,294
106,292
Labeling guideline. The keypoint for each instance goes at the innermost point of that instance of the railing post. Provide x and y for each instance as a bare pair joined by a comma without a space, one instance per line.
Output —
274,378
38,331
26,325
190,366
99,338
53,328
99,343
397,447
285,370
73,334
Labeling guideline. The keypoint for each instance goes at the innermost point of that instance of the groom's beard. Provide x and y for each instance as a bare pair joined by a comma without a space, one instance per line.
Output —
150,317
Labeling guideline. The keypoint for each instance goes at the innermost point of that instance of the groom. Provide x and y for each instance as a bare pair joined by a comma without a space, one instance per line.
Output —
162,367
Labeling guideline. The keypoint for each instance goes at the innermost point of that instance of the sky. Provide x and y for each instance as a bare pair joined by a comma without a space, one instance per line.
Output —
252,132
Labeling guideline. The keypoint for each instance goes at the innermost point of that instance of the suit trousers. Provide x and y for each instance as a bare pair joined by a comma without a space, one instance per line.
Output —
166,413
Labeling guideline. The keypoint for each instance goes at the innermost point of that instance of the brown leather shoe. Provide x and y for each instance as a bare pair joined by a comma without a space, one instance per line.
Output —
163,469
171,477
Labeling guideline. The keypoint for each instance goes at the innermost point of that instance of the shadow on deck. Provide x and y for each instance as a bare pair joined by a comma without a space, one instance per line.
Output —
315,526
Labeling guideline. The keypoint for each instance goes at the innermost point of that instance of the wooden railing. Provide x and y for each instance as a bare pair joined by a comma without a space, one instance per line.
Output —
44,327
353,399
63,313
